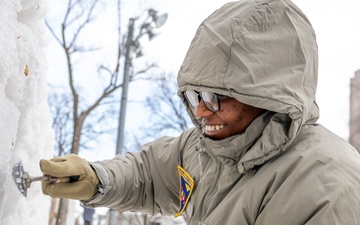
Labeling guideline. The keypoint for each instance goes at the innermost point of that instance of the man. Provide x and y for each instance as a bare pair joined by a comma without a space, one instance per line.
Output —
257,155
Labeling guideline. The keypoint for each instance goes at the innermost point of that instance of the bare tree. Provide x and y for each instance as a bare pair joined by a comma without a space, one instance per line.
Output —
168,115
62,117
77,17
75,122
76,119
100,122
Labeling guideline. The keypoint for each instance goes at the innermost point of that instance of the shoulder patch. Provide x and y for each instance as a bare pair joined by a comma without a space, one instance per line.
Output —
186,187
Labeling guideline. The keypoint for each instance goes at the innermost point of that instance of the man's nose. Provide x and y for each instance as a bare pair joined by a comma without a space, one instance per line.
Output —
202,111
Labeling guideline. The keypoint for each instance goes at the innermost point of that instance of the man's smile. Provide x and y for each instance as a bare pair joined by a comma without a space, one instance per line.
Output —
213,127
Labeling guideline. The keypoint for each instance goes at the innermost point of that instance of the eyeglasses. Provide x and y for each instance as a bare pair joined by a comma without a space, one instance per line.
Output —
210,99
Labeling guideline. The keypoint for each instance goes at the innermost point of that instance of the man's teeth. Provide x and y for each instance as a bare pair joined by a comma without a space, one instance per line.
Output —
214,128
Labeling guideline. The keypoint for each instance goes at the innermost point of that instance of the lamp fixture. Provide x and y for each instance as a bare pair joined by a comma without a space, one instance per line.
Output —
158,20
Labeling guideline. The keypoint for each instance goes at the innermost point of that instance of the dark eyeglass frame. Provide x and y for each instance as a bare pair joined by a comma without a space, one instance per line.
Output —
210,99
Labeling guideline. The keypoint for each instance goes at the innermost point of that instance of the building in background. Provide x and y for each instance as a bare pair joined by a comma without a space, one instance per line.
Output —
354,136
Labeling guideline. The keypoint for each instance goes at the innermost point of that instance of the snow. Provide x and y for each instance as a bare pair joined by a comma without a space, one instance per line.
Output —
25,125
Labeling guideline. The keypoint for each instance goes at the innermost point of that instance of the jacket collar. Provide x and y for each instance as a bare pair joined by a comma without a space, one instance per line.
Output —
230,150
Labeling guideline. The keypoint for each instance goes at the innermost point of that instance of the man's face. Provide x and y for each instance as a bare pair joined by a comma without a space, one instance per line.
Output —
232,118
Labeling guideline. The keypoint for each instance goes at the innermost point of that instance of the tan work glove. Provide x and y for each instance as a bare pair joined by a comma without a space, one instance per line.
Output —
83,179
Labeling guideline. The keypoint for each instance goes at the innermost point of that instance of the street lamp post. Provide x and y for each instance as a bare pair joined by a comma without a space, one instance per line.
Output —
124,94
132,46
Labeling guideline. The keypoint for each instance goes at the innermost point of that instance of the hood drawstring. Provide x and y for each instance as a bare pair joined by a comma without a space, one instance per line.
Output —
203,158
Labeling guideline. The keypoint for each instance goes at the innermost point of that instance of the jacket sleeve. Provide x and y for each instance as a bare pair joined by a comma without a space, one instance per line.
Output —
144,181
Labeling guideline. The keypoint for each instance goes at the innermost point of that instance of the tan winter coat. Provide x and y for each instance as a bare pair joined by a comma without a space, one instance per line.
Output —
284,170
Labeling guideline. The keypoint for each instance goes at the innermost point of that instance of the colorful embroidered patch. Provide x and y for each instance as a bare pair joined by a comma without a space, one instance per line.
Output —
187,186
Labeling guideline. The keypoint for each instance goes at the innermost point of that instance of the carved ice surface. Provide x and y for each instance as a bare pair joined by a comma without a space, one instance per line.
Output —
25,128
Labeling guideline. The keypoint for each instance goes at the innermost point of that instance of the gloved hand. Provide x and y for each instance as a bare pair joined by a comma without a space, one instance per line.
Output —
71,165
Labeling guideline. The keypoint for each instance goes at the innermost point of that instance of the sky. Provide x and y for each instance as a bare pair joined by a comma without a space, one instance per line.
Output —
336,26
25,132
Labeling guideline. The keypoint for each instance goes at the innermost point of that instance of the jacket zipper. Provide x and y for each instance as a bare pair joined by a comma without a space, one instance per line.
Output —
213,189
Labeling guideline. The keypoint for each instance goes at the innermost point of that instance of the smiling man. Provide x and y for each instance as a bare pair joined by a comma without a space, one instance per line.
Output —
233,118
256,155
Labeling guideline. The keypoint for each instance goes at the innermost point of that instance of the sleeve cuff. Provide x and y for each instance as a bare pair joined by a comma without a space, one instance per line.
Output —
103,187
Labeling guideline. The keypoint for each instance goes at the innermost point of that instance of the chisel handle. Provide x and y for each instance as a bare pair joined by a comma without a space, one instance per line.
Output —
53,180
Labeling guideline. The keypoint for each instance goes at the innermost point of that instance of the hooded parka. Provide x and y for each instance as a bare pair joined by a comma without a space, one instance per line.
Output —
285,169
